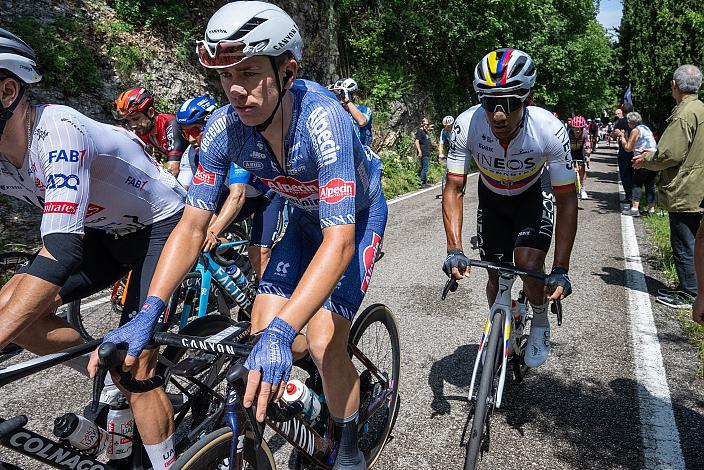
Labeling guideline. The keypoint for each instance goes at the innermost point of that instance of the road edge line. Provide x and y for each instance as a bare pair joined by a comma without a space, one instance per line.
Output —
658,429
403,197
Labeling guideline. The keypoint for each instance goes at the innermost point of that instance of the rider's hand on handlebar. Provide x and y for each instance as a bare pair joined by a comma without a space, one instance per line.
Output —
269,365
456,264
557,284
211,241
136,333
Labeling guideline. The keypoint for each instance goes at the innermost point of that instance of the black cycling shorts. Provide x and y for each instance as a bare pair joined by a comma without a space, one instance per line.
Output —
579,156
508,222
106,258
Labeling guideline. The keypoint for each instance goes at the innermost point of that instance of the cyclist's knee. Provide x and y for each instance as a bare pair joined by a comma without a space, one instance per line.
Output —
327,340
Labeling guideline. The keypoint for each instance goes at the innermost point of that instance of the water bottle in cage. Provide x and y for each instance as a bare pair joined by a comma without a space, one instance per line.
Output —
297,392
81,433
121,429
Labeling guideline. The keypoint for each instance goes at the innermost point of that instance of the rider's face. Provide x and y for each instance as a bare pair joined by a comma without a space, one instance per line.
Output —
503,124
139,123
250,87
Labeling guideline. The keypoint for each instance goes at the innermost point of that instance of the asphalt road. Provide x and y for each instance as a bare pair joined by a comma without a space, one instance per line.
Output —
580,410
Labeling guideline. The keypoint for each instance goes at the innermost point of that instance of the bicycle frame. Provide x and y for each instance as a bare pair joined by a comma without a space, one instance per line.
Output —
502,304
15,436
296,431
208,270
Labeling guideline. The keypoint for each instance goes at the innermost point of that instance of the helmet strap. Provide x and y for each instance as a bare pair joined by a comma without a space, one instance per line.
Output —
264,125
6,113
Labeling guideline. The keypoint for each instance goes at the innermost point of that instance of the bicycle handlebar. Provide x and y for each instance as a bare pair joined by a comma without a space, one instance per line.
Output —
112,356
507,268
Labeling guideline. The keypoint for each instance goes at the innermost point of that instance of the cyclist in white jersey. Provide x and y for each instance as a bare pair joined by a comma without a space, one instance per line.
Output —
107,208
513,144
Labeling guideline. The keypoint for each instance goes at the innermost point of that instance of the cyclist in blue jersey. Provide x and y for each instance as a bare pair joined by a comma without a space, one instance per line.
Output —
293,136
361,115
245,197
445,134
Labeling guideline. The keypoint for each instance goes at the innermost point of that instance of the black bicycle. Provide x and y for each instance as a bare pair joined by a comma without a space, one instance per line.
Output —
238,443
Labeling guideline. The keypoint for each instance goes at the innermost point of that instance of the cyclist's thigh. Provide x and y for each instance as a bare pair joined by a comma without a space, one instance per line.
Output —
265,308
141,251
369,231
327,328
493,218
534,219
265,222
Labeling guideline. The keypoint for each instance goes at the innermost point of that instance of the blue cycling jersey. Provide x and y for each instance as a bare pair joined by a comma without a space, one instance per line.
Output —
329,173
365,132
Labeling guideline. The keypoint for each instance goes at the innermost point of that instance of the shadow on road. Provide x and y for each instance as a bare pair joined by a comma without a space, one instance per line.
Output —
606,202
455,369
617,277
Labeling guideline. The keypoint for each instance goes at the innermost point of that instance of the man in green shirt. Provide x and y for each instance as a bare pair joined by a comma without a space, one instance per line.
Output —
680,161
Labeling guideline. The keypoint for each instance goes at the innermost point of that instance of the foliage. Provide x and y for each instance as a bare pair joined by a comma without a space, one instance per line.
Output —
127,58
393,46
167,17
67,60
655,37
402,168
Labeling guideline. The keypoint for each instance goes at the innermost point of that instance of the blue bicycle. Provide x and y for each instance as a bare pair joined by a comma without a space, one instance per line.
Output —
216,285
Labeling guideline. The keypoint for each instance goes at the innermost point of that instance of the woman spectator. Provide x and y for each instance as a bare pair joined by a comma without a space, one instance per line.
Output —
640,140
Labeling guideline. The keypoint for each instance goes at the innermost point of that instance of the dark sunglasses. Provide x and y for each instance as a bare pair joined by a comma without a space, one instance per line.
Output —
508,104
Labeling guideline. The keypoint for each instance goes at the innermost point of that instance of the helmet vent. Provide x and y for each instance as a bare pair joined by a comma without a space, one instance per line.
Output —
248,27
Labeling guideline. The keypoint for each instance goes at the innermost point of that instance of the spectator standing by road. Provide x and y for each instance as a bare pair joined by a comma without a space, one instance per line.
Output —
625,169
680,160
423,145
641,140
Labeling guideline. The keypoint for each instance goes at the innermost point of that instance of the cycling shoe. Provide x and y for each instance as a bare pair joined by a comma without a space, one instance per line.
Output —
538,345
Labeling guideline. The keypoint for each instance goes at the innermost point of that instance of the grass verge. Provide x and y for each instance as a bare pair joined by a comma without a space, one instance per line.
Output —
658,230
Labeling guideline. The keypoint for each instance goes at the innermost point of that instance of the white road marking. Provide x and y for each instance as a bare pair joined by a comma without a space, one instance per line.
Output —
95,302
661,439
420,191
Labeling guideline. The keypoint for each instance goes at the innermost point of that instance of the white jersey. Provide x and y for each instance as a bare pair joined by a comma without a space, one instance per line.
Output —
187,167
542,140
83,173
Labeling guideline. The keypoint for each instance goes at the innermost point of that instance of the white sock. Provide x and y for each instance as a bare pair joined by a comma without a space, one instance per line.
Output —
540,315
162,455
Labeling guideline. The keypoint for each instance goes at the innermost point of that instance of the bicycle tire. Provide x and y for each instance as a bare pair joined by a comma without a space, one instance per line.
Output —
108,319
202,404
212,452
372,442
486,383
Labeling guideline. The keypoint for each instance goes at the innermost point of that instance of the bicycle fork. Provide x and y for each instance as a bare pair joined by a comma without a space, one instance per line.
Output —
501,305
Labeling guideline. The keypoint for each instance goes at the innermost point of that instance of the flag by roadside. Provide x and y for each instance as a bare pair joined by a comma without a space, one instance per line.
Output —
628,96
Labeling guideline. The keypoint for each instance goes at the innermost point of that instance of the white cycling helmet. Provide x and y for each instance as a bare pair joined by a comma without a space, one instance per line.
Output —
240,30
505,72
17,58
348,84
448,121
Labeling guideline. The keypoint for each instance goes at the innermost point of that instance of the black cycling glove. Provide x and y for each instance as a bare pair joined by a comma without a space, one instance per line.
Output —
558,277
455,259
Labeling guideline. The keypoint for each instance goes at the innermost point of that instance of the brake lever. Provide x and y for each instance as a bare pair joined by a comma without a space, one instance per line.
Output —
109,355
556,308
450,286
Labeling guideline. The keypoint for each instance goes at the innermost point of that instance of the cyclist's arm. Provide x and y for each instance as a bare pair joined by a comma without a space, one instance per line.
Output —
180,252
357,115
562,179
232,206
458,166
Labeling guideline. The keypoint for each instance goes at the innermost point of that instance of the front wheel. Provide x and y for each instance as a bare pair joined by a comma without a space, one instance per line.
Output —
484,395
375,335
213,453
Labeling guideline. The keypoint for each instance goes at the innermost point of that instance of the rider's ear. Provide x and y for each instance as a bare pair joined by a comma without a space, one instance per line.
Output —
9,89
